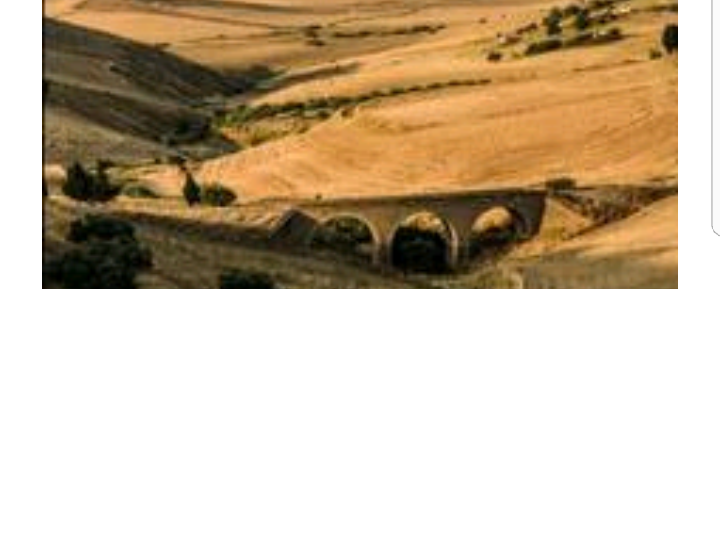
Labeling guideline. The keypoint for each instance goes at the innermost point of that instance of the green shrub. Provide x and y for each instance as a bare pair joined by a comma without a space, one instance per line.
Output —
582,20
99,227
655,54
245,279
98,265
494,56
216,194
191,190
553,22
670,38
107,256
544,46
554,29
139,191
81,185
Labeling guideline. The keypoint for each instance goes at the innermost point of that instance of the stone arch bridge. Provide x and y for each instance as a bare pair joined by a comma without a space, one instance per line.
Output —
458,211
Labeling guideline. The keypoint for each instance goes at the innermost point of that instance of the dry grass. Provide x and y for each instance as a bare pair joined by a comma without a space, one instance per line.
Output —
602,115
188,255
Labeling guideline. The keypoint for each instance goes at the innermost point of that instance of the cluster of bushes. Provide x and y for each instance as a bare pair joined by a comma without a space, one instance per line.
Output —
323,108
106,255
245,279
83,185
581,39
213,194
403,31
568,26
577,16
97,227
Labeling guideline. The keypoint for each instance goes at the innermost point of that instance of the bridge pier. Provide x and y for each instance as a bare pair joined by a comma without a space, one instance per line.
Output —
381,257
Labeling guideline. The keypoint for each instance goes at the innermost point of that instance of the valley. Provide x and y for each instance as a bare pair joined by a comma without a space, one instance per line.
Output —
288,101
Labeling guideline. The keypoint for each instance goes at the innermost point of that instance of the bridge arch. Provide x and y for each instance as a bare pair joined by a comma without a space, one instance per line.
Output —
349,233
424,241
496,228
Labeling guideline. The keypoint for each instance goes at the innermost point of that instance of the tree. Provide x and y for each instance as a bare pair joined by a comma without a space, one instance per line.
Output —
105,255
82,185
191,190
217,195
670,38
79,183
102,189
582,20
553,22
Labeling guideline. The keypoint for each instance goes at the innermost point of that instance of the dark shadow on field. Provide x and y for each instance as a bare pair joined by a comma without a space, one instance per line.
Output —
322,72
261,79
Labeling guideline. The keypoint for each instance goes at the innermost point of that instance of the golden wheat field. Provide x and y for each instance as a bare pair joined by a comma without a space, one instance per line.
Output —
287,101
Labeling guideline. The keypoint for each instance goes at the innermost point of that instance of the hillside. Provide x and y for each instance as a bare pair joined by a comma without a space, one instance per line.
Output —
597,114
107,96
600,114
372,98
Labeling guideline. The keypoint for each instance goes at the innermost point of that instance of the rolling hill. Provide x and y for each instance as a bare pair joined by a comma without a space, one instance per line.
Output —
108,96
601,114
